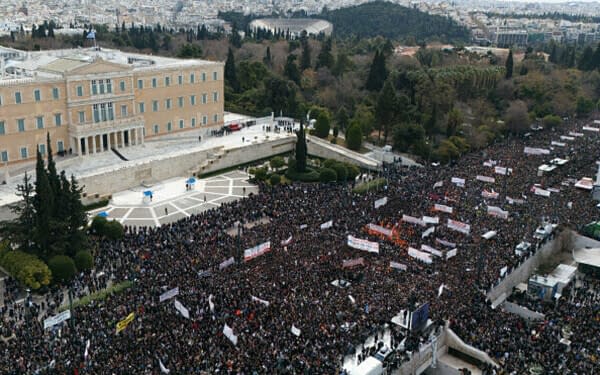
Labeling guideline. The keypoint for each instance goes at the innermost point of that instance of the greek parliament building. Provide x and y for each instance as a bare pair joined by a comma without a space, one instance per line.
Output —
91,100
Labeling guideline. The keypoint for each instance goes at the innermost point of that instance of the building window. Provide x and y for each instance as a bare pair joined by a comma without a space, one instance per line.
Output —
180,79
215,96
142,107
192,78
81,117
4,156
167,81
169,127
156,129
204,120
94,87
204,96
101,85
154,82
21,125
111,112
17,97
109,86
39,122
154,105
168,103
181,124
193,99
122,86
96,112
180,101
60,146
215,75
37,95
2,129
193,122
79,90
123,111
203,77
57,119
42,148
55,93
23,152
215,118
140,84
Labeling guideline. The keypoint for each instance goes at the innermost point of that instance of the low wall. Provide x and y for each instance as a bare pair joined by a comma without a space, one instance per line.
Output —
455,342
521,273
522,311
326,150
151,170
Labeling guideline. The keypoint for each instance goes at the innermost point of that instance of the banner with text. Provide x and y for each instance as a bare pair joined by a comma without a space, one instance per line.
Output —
350,263
380,202
451,253
420,255
497,211
226,263
398,266
125,322
257,250
458,181
445,243
489,194
413,220
431,250
57,319
459,226
360,244
327,224
168,294
442,208
491,180
377,229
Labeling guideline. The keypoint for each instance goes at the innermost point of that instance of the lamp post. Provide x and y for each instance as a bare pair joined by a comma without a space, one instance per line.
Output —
239,241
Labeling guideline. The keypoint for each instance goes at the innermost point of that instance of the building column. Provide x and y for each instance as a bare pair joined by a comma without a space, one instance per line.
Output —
108,141
77,146
94,144
133,140
119,136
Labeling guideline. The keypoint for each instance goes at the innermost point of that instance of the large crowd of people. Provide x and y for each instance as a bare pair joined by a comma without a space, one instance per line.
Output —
281,306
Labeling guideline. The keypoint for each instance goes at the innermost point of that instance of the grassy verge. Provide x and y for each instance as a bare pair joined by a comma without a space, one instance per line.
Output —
342,142
375,184
95,205
100,295
241,166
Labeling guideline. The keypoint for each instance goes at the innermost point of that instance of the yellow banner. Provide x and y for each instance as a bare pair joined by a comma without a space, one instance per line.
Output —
125,322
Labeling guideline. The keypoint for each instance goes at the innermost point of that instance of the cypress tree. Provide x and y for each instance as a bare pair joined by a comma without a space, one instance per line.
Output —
585,62
509,65
52,175
378,72
325,58
230,76
305,58
43,203
267,59
301,148
291,69
77,218
385,110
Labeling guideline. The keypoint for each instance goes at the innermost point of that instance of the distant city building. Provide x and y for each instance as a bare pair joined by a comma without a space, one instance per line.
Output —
507,38
295,26
91,100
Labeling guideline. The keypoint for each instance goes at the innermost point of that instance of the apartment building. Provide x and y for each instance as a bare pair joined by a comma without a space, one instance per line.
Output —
92,100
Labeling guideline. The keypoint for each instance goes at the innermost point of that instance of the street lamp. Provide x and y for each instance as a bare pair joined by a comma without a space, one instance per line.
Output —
238,224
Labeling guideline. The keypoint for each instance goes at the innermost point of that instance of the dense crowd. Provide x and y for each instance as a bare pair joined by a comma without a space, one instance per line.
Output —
292,283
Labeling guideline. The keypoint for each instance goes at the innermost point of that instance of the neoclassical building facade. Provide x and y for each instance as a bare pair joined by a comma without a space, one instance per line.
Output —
91,100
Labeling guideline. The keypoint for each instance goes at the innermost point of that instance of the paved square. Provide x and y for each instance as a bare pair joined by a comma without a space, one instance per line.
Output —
132,209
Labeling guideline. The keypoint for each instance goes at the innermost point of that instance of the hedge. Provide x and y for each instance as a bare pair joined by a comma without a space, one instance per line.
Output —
63,268
368,186
327,175
113,230
275,179
84,260
99,295
310,175
26,268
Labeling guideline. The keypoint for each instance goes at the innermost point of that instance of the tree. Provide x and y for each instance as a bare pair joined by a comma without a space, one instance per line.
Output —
552,121
341,118
385,110
516,117
291,69
584,106
325,58
268,60
305,58
20,230
406,135
275,179
455,119
322,125
509,65
327,175
301,149
84,260
63,268
447,151
585,61
235,38
26,268
378,73
230,75
44,207
354,137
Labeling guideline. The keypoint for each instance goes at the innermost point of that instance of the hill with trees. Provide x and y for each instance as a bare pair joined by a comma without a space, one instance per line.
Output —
393,21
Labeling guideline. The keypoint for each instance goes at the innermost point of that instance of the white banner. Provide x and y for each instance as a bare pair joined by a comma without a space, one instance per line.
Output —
490,163
515,200
575,134
585,183
445,243
559,144
228,332
458,181
554,190
257,250
380,202
162,367
503,271
168,294
420,255
379,229
182,309
56,319
591,129
413,220
303,226
443,208
428,232
451,253
438,184
536,151
295,331
226,263
497,211
567,138
327,224
287,241
256,299
491,180
357,243
500,170
431,220
489,194
459,226
398,266
542,192
211,304
431,250
349,263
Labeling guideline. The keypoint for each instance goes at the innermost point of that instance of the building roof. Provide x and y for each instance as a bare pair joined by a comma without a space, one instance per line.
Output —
591,257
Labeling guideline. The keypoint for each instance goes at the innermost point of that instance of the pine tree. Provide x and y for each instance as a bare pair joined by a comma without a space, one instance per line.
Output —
230,75
585,62
291,69
305,58
378,72
20,230
301,148
553,58
509,65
